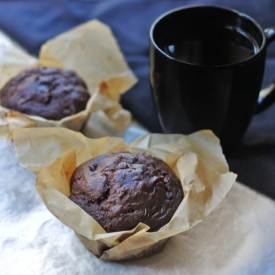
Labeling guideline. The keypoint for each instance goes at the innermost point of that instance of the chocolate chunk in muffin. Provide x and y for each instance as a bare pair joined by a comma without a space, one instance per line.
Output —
47,92
121,189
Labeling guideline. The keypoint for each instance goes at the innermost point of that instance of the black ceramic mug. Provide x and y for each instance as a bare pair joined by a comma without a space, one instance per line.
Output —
206,70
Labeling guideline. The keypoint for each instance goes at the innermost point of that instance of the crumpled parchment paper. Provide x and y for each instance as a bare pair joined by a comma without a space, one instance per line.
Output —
53,154
92,52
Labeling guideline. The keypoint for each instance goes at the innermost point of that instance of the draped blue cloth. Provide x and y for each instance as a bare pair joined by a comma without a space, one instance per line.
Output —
32,22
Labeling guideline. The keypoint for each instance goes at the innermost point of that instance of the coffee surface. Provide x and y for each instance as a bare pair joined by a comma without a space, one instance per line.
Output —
210,45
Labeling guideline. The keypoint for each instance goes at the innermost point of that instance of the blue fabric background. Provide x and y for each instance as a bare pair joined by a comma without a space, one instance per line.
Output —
32,22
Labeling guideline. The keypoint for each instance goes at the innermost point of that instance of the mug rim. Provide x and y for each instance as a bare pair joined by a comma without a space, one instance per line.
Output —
236,12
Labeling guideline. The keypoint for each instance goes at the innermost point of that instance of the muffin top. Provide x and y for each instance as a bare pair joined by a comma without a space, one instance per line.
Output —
121,189
47,92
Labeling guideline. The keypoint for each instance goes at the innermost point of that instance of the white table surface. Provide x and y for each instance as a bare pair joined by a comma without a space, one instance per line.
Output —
237,238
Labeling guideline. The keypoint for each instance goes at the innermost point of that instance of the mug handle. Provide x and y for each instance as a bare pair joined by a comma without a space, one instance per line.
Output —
267,95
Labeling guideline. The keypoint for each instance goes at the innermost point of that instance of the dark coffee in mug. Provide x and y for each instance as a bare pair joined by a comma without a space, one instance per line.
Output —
210,45
206,71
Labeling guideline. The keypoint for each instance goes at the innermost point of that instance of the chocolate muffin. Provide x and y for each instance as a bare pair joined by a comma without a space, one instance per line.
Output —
121,189
47,92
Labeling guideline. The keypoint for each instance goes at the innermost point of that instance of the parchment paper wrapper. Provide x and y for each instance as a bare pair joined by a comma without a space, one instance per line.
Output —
197,159
93,53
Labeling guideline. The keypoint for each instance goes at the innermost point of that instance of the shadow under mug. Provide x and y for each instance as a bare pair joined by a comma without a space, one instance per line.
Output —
206,71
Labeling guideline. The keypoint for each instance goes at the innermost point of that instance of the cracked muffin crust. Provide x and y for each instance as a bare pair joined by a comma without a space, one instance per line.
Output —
121,189
47,92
